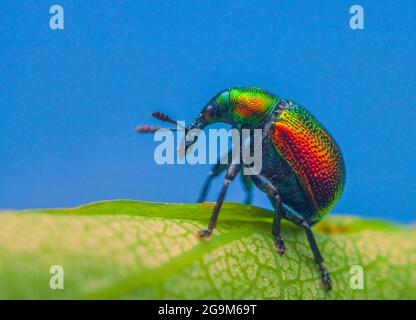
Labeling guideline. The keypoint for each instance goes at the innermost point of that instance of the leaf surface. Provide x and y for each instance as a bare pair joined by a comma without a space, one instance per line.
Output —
141,250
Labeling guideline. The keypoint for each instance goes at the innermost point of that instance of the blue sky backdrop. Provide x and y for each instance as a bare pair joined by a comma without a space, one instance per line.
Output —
70,99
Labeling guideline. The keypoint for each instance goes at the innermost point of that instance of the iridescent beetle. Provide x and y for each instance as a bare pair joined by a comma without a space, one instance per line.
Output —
302,167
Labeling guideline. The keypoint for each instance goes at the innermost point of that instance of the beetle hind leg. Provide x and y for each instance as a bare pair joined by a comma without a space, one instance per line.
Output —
297,219
326,279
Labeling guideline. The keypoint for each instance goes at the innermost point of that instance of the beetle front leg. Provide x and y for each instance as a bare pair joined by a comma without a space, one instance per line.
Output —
216,170
232,172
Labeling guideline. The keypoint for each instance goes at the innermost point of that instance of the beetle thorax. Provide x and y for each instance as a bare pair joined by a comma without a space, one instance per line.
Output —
245,106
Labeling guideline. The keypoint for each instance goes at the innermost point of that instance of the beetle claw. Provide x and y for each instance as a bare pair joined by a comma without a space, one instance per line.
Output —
206,234
326,281
280,247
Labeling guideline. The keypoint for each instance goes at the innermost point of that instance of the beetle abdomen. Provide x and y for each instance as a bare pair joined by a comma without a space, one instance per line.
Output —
313,155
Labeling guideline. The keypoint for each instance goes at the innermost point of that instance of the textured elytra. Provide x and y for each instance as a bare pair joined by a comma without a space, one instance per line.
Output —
313,155
127,249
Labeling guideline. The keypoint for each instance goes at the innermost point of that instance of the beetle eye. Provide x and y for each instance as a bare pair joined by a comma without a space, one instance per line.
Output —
209,112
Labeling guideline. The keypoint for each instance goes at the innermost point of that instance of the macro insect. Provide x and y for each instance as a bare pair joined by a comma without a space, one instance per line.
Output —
302,170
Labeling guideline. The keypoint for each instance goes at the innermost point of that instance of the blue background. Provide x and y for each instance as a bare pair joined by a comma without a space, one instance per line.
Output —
70,99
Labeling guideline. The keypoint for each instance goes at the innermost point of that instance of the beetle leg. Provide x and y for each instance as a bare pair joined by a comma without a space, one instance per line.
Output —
326,279
266,186
246,179
232,172
279,243
216,170
297,219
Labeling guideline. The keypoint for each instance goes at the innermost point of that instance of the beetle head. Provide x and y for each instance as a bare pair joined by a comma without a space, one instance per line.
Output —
189,139
217,110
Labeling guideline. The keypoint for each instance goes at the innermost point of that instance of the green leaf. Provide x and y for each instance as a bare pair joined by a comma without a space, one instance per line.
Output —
129,249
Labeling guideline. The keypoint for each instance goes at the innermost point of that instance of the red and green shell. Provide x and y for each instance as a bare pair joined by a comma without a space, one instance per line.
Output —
248,105
313,154
299,139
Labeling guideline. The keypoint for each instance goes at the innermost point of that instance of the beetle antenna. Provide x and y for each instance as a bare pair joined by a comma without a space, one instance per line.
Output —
151,129
165,118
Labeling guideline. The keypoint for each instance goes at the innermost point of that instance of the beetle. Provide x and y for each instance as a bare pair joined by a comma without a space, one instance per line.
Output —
303,172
